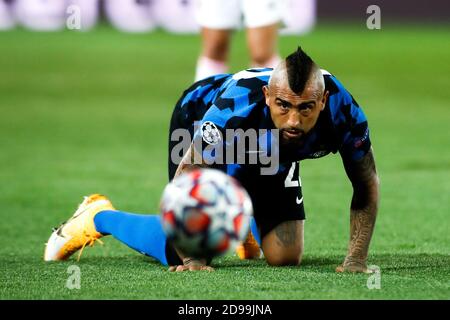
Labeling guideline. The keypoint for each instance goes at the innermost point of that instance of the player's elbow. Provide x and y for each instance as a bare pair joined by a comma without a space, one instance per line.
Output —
375,187
376,181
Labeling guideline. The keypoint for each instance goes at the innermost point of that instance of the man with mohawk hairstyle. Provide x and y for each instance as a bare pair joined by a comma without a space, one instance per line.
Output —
310,112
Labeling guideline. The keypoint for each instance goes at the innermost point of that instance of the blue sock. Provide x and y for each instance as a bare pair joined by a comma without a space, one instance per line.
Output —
254,229
142,233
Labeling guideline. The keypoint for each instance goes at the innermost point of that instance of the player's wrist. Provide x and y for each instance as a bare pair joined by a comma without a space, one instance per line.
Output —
355,261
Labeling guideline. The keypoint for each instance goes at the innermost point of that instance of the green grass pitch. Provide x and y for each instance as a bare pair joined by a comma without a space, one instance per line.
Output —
88,112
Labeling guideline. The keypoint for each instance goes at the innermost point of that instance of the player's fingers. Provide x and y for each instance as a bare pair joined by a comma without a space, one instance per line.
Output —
201,268
340,268
172,268
368,270
207,268
356,268
181,268
195,267
353,269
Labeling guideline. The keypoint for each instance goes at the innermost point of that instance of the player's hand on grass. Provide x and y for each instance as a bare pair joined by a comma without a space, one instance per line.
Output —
190,264
353,265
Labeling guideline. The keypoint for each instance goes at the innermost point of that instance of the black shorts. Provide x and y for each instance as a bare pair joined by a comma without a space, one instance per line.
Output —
276,198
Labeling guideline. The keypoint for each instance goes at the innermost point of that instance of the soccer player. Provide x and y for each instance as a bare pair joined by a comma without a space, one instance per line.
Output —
314,115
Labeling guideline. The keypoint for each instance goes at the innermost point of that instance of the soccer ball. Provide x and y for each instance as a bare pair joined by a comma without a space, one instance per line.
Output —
205,213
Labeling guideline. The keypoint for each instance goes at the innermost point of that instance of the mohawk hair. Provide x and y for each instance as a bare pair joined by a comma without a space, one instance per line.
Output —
299,66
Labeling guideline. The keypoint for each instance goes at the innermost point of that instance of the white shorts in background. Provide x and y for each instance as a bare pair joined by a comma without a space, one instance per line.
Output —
40,15
227,14
299,17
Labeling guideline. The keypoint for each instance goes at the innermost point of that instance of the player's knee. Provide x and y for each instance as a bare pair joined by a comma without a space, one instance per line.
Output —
261,60
264,58
217,52
216,48
284,259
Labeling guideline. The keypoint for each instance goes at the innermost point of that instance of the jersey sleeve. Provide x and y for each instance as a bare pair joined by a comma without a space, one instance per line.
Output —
351,124
210,133
209,140
229,111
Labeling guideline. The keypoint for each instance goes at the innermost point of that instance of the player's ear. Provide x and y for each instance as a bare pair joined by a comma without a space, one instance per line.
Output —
324,99
266,93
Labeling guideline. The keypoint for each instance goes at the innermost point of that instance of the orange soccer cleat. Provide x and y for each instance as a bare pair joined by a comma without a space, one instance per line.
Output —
249,249
78,231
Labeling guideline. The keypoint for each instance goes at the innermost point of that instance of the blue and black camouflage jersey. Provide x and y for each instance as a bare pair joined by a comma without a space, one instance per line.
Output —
214,106
237,101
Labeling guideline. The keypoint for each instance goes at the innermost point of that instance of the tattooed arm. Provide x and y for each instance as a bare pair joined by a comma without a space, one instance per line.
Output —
363,211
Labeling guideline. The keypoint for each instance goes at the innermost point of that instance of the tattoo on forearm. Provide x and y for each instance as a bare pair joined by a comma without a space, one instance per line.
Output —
362,223
364,206
287,233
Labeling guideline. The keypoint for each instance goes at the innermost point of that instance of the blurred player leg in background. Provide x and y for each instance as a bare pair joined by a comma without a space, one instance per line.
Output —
219,17
214,56
262,19
7,20
130,15
262,45
40,15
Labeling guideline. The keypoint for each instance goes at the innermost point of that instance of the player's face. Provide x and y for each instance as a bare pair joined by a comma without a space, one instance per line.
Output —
294,114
